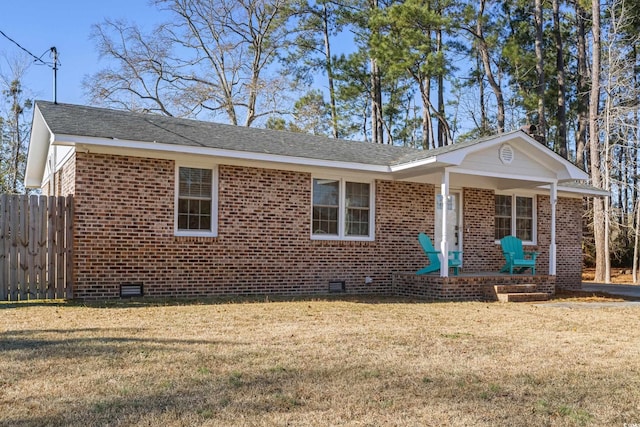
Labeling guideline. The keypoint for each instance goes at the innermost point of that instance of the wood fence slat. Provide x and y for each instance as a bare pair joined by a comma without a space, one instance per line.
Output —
13,248
42,248
69,247
4,260
23,243
32,248
60,233
51,248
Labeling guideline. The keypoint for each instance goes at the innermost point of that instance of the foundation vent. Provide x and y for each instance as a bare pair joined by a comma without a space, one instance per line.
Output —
129,290
336,286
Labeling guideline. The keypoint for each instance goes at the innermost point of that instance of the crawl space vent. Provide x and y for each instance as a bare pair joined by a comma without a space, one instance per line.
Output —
128,290
336,286
506,154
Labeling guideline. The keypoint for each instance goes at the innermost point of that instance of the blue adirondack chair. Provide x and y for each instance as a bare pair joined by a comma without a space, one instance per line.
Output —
517,258
434,261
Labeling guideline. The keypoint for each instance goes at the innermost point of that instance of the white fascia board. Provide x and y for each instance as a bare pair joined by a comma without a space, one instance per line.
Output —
415,164
501,175
579,191
38,150
74,140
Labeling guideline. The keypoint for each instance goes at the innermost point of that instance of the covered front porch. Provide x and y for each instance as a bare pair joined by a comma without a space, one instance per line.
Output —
481,286
510,185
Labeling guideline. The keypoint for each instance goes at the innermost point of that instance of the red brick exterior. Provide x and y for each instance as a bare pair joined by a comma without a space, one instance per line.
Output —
124,233
125,221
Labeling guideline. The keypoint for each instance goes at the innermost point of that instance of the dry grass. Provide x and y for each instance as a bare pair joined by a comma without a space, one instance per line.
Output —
331,362
620,276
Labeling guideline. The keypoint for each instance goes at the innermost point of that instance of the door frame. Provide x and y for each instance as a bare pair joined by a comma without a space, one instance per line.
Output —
459,225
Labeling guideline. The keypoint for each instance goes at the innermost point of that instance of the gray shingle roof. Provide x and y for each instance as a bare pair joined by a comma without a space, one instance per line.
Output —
77,120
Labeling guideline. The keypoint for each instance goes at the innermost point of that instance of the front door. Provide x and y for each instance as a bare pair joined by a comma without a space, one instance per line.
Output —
454,225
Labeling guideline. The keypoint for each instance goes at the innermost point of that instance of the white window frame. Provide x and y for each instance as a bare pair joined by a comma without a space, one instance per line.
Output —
534,232
342,209
213,231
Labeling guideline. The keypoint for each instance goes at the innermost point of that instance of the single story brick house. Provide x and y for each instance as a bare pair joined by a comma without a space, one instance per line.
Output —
188,208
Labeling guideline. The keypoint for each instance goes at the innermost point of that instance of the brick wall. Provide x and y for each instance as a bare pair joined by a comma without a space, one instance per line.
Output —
481,253
124,234
569,243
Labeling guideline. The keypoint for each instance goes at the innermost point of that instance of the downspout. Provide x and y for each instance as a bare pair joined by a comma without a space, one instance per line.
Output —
553,196
444,246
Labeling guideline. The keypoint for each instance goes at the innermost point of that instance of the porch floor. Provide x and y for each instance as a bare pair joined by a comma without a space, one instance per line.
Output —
466,286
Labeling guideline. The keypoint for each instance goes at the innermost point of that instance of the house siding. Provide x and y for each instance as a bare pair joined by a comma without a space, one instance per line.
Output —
124,233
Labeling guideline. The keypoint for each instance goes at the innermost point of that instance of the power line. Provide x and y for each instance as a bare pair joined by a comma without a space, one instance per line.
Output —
18,44
53,66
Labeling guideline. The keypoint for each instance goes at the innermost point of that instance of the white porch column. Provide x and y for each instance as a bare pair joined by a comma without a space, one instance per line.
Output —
553,196
444,246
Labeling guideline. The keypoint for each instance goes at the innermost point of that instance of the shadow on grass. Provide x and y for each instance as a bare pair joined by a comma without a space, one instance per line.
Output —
247,398
178,301
74,343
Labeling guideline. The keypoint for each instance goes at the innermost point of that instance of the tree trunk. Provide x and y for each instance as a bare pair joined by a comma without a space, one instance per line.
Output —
377,130
486,61
329,70
636,241
442,134
542,122
582,87
562,113
484,118
599,228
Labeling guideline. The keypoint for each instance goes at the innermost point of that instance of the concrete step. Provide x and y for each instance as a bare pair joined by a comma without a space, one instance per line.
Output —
523,297
514,289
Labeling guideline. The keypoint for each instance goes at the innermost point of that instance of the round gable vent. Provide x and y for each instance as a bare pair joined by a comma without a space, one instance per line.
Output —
506,154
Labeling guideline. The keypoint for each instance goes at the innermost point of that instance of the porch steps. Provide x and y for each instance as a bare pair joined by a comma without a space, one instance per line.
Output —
519,293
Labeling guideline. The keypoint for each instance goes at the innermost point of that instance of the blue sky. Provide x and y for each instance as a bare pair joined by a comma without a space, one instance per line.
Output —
38,25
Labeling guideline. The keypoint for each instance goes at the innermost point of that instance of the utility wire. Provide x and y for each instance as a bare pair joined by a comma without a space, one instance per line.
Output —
31,54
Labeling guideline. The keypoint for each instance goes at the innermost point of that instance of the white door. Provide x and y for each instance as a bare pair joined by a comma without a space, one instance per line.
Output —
454,226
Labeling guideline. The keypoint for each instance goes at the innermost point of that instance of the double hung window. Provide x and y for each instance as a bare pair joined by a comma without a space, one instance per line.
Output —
342,209
195,201
515,216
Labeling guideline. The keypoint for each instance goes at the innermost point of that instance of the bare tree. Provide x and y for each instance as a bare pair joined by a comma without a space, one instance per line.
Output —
484,50
599,231
214,55
540,87
14,126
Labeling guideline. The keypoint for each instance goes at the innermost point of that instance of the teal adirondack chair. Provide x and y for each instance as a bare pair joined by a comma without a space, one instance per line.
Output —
517,258
434,261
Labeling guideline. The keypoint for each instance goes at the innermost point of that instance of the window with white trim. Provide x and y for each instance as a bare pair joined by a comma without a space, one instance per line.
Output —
342,209
195,201
515,216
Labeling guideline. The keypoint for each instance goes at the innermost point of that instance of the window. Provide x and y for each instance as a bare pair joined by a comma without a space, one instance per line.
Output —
515,216
325,206
195,201
341,209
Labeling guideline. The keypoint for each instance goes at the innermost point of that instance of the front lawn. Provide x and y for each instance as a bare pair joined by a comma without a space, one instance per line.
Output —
319,363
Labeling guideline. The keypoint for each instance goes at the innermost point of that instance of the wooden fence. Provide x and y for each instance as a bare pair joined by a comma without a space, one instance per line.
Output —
36,247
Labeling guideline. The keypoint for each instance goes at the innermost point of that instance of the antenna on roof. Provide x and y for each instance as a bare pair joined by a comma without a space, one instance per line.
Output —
54,53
